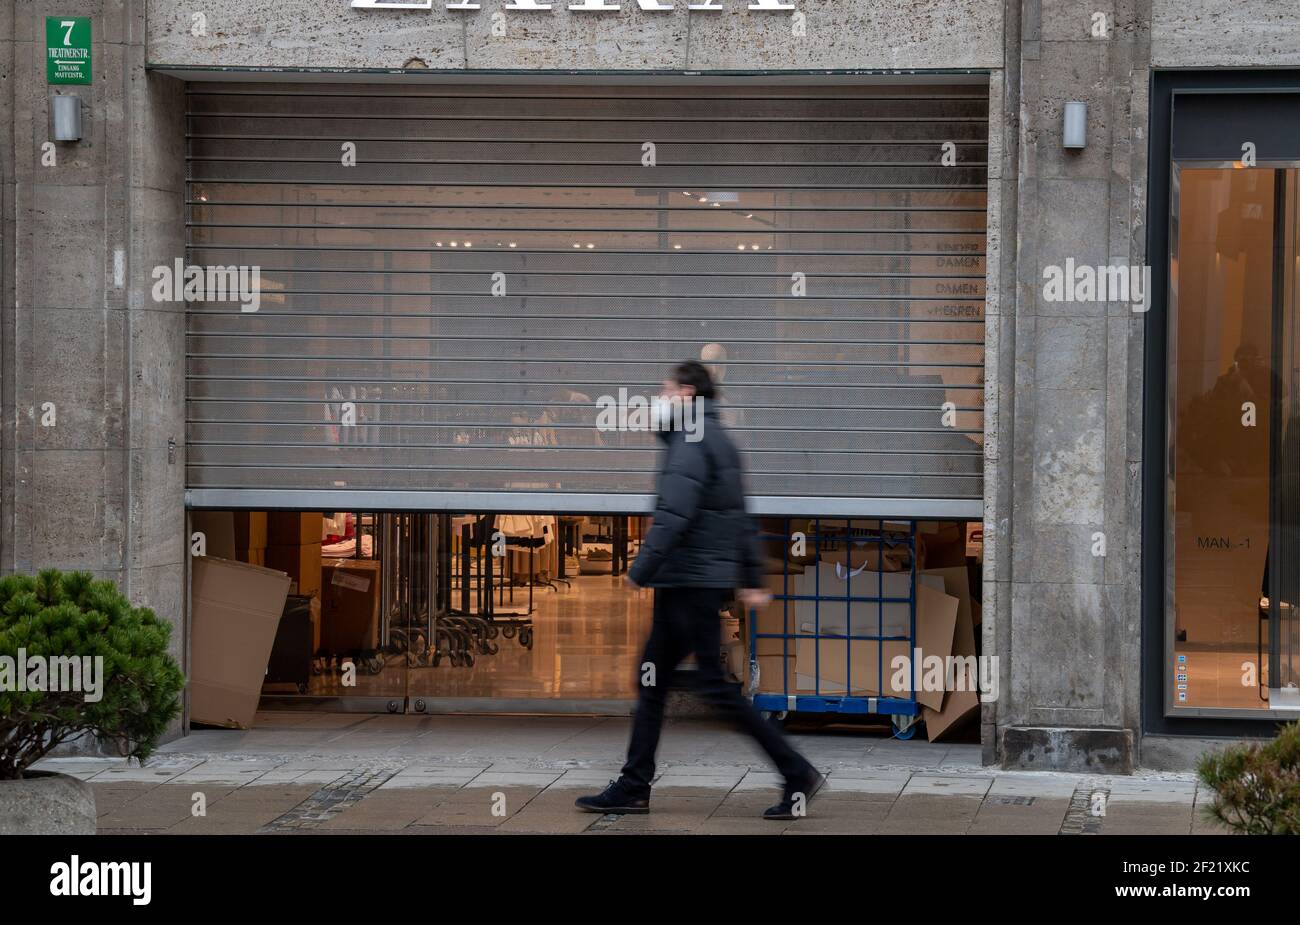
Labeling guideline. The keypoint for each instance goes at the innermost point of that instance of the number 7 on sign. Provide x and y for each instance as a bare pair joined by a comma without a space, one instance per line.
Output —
67,24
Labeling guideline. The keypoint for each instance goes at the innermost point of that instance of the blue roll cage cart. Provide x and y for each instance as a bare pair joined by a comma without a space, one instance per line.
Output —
902,711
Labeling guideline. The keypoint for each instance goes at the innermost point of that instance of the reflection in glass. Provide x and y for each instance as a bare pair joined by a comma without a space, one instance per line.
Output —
1233,454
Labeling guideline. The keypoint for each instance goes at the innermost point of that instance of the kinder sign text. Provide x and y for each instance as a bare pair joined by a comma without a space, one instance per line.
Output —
580,6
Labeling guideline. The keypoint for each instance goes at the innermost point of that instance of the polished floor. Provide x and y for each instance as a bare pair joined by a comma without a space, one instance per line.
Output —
1223,677
586,638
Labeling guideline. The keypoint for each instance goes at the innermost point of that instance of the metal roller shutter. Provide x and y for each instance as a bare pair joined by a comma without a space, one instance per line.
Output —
377,289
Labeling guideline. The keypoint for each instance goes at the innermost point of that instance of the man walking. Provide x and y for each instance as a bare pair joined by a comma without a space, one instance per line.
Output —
700,548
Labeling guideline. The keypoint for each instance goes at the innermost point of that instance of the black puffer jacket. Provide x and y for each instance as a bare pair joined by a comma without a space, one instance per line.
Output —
702,537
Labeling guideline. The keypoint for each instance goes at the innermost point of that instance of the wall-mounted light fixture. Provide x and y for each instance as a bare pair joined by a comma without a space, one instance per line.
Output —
1074,134
67,118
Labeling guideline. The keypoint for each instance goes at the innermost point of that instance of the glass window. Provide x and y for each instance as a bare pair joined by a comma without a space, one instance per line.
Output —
1234,432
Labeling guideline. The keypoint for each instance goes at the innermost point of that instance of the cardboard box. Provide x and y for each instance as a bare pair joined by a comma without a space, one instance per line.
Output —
730,629
250,532
218,529
349,606
869,556
294,528
300,563
770,677
853,617
771,619
827,662
942,543
236,611
735,658
824,664
962,702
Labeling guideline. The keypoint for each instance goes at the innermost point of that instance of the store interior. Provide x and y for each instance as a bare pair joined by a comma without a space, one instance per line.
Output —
528,613
1234,462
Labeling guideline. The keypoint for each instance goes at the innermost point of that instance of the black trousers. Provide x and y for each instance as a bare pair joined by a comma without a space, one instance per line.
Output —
686,620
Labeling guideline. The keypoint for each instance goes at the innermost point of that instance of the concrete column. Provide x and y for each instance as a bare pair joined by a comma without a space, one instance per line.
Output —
1067,619
98,489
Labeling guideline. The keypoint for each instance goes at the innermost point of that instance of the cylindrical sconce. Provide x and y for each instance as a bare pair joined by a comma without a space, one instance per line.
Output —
1075,132
67,118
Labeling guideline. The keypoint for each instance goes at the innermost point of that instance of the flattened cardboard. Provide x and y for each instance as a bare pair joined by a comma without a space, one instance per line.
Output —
236,612
852,617
936,621
958,705
956,582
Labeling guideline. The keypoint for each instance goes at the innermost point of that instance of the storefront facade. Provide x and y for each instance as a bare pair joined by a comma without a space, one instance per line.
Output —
769,109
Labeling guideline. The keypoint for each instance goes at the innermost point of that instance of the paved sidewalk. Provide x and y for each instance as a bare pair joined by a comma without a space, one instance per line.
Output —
350,773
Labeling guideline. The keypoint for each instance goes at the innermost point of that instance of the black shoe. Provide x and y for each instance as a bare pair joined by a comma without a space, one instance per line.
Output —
616,798
807,787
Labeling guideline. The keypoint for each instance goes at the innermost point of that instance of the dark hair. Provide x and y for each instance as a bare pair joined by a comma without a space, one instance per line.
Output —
695,374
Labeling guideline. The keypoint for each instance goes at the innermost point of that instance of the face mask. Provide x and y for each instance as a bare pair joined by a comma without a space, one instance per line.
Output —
661,413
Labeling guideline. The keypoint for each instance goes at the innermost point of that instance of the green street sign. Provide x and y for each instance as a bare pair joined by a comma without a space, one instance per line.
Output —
67,49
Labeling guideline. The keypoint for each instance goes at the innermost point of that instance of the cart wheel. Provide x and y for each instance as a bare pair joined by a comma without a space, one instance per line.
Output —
526,638
904,726
467,660
437,657
508,632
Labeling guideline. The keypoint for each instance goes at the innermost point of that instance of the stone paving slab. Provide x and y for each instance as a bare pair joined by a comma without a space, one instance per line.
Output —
339,774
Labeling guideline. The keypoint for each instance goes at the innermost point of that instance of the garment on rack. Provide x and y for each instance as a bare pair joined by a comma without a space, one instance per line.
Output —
541,558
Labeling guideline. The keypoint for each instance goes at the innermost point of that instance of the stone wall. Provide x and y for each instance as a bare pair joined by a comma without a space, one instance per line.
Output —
100,490
1063,389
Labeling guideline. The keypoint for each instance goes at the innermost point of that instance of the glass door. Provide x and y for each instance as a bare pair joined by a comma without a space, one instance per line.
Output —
1283,667
1232,565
